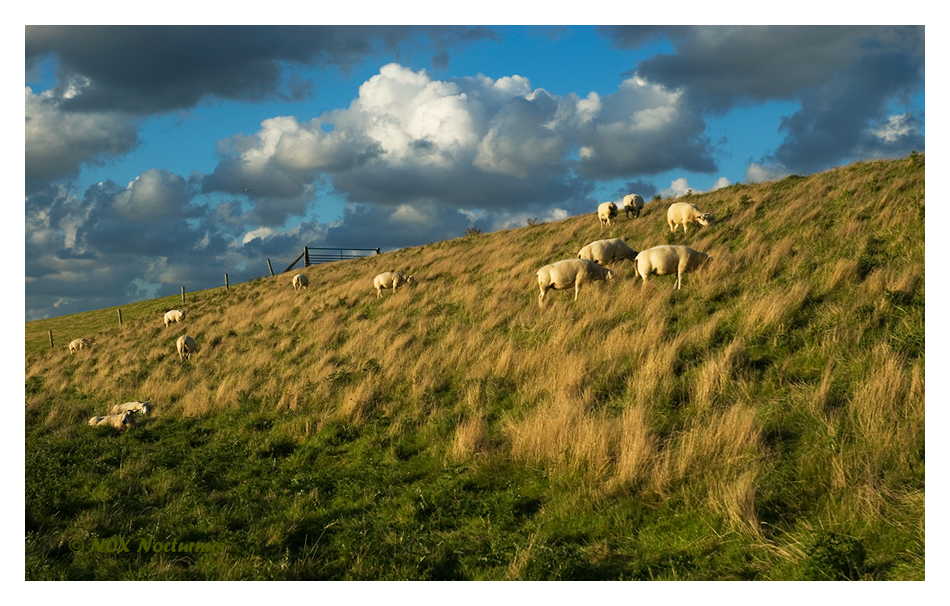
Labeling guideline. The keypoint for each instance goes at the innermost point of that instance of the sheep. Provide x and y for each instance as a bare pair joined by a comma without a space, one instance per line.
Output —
77,344
683,213
186,346
605,252
571,272
134,407
301,281
606,213
175,315
665,260
119,421
390,279
632,205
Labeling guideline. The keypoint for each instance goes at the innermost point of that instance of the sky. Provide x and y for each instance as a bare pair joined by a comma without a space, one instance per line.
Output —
158,157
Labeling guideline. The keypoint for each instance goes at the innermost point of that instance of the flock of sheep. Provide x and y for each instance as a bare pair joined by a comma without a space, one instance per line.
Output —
589,266
592,260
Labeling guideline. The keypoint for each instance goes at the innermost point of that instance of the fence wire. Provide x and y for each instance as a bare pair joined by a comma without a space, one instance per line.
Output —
315,255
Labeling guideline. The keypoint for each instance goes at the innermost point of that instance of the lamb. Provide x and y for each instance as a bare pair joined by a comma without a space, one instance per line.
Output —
632,205
606,212
134,407
571,272
175,315
683,213
186,346
390,279
77,344
301,281
119,421
665,260
605,252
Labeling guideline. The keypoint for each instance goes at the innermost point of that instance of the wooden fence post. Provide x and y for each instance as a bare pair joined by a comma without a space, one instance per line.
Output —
306,257
182,295
51,339
120,316
270,269
226,287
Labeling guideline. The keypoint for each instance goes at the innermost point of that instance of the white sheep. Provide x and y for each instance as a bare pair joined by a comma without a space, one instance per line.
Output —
119,421
186,346
683,213
134,407
390,279
301,281
77,344
666,260
605,252
175,315
606,213
632,205
571,272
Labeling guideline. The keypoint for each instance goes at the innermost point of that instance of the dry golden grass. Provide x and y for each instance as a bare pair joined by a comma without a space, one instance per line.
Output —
636,387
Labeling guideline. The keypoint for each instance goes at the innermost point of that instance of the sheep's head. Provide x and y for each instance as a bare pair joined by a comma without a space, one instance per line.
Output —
410,280
610,274
704,219
128,417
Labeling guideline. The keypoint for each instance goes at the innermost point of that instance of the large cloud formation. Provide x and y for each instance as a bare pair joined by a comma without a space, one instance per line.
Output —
151,69
471,144
845,77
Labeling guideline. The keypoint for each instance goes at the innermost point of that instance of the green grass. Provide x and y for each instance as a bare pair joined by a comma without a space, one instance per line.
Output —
765,422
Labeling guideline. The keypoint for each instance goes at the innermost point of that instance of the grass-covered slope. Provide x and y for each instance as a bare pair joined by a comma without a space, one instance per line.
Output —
766,421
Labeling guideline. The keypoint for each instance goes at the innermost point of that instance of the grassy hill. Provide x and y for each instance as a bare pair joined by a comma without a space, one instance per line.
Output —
766,421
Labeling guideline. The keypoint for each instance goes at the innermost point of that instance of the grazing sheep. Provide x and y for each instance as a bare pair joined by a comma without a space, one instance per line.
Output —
390,279
301,281
135,407
683,213
605,252
665,260
606,213
175,315
632,205
571,272
186,346
77,344
119,421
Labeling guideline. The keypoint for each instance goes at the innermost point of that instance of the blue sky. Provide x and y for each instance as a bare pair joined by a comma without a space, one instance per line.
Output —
140,142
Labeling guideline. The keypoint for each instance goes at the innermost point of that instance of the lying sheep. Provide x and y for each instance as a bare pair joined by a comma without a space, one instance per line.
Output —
301,281
135,407
605,252
186,346
665,260
606,213
390,279
632,205
571,272
77,344
175,315
683,213
119,421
